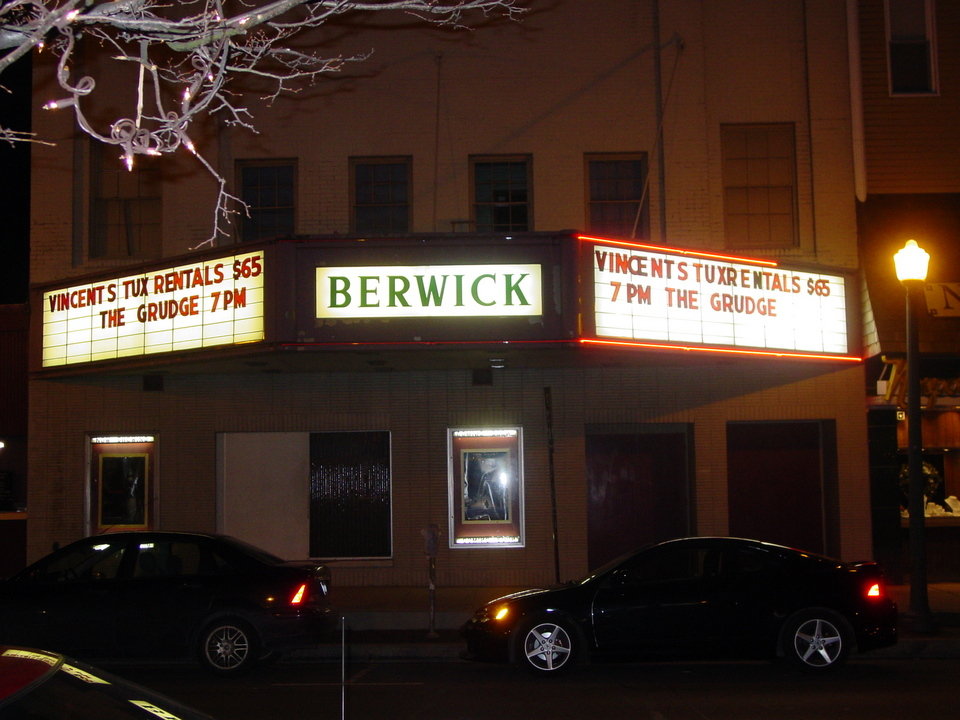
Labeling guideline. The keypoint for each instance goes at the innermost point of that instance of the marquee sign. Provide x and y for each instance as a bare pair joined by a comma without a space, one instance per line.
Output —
429,291
645,293
198,305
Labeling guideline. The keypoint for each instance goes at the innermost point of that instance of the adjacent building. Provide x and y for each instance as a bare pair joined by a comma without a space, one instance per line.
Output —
906,76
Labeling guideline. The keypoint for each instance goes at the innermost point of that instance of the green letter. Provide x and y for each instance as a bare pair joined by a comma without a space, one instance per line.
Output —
429,293
339,286
396,293
475,290
513,288
368,287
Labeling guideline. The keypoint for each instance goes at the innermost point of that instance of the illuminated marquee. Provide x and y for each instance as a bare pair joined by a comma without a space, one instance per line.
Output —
429,291
203,304
687,298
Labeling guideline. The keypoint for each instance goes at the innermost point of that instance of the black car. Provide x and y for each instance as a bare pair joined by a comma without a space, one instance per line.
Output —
41,685
695,597
166,594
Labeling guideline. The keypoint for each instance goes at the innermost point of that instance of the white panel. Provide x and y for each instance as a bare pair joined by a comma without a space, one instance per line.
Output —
264,490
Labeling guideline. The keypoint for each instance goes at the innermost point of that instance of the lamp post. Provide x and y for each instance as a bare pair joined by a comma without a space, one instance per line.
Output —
911,262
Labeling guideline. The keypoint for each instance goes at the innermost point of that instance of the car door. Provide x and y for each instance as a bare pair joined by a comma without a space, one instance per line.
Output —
753,598
165,597
664,600
67,601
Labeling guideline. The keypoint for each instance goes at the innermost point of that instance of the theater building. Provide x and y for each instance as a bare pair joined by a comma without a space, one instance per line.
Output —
406,349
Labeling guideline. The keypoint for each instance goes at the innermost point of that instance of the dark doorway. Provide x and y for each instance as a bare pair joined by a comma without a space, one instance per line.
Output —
638,481
781,480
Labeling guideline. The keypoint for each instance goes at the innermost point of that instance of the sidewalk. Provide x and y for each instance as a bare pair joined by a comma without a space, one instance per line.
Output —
394,623
944,641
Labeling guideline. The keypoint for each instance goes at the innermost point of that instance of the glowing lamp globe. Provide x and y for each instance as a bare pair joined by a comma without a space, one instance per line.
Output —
911,262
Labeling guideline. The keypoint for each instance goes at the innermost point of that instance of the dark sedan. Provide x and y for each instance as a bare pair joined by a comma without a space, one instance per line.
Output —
695,597
166,594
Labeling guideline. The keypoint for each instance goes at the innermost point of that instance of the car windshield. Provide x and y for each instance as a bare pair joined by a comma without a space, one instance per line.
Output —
608,566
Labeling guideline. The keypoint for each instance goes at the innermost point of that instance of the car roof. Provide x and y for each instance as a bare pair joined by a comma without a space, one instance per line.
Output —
748,542
155,533
21,668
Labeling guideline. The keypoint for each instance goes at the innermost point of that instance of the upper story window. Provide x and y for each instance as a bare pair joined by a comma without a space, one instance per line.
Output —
617,204
380,194
502,193
759,185
268,187
911,43
125,205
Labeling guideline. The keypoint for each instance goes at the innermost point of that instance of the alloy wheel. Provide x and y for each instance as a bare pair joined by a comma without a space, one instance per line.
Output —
227,647
818,643
547,647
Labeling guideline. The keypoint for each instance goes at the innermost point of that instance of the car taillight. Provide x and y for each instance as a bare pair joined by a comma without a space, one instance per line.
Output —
874,591
299,595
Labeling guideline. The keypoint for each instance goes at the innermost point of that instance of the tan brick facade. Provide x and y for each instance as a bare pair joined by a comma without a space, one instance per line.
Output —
572,78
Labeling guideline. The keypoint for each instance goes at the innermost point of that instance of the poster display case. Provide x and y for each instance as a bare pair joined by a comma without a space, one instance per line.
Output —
485,477
121,482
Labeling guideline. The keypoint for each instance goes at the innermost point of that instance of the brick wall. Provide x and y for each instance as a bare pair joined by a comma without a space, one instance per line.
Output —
417,408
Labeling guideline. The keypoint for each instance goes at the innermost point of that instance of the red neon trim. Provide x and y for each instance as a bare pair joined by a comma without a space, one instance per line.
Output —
726,351
679,251
582,341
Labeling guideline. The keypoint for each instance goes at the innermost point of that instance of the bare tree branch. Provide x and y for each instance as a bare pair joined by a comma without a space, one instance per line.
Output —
187,54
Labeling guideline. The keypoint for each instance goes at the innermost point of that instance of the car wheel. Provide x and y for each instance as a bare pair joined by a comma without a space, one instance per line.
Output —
228,647
547,646
816,640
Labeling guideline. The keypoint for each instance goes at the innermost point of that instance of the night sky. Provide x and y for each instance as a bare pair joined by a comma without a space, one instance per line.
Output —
15,185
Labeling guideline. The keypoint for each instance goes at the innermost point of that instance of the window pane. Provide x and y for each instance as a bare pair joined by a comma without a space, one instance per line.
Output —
97,560
380,195
126,206
910,46
270,195
501,195
759,178
616,190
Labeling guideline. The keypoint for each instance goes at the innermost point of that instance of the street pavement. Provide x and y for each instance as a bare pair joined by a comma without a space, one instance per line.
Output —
409,623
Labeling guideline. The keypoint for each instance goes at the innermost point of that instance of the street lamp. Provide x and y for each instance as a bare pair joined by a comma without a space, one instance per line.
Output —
911,262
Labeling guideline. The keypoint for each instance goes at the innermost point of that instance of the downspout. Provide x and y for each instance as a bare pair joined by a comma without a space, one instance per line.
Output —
78,198
658,105
856,101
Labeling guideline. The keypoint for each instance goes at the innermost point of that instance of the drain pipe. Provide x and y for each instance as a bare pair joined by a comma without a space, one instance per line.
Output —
658,107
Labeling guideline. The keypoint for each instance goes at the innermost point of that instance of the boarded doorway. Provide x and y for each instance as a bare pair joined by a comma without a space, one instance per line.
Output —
781,482
638,482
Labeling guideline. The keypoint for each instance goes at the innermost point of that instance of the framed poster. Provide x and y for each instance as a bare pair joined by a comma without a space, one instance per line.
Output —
121,482
485,476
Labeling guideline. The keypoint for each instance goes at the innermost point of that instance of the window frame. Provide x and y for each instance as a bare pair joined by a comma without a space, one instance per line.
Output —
132,243
930,37
642,225
243,164
753,193
371,160
474,162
